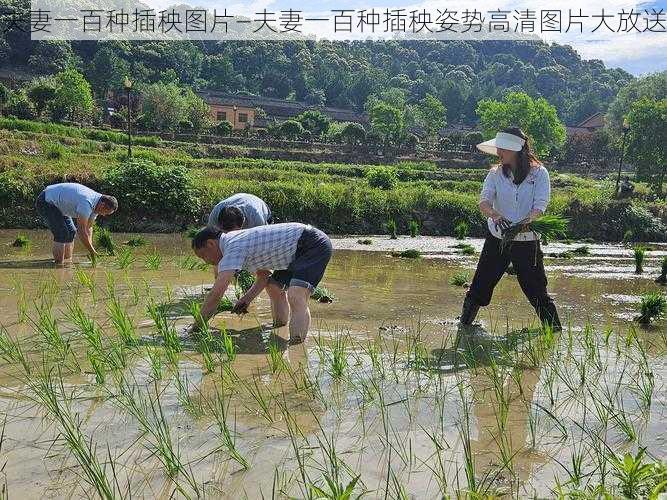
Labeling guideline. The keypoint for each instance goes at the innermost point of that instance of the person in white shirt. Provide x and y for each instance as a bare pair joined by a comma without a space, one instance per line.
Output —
516,191
297,253
60,204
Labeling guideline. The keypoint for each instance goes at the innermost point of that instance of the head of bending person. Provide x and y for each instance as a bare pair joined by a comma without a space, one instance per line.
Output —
107,205
206,246
231,219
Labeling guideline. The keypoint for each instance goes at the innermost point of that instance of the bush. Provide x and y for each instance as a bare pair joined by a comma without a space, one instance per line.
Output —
223,129
653,306
382,177
145,189
54,151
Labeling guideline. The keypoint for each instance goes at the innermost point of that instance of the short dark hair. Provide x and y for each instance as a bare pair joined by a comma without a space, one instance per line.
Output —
109,202
203,235
231,218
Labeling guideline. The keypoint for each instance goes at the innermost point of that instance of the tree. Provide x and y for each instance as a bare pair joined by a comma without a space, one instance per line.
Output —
536,117
161,106
290,129
107,71
4,96
652,86
431,115
387,121
647,145
19,105
51,56
73,98
316,122
353,134
197,112
224,128
42,92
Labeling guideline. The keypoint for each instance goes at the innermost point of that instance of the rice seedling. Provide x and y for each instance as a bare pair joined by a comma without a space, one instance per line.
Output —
86,326
166,330
652,307
392,229
639,253
338,365
407,254
275,357
263,400
86,281
136,241
549,227
365,241
122,323
191,232
414,228
191,263
124,258
155,362
147,410
194,407
49,392
153,260
219,409
581,250
467,249
460,278
244,280
662,279
21,241
104,240
12,352
47,326
461,230
323,295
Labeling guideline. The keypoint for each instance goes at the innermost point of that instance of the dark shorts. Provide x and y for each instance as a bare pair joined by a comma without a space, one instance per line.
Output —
61,226
313,252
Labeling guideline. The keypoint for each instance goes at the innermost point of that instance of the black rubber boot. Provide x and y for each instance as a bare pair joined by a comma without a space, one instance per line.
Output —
469,311
549,316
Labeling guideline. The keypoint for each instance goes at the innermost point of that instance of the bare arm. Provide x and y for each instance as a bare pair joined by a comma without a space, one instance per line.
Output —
486,209
86,235
261,279
210,306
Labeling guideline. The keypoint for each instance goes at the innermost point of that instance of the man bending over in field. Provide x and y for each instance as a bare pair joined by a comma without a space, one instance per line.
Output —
297,253
59,204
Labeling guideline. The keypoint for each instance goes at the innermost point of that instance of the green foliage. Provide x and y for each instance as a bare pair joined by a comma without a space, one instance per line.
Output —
19,106
382,177
21,241
461,230
536,117
392,229
639,252
653,306
323,295
387,121
408,254
460,278
223,129
146,189
104,240
315,122
54,151
136,241
73,99
414,228
647,142
244,280
290,129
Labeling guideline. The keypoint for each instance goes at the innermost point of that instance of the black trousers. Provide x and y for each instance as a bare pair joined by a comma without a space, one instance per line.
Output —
527,259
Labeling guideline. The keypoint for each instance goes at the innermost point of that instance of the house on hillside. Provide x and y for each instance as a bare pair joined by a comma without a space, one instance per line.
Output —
588,126
241,110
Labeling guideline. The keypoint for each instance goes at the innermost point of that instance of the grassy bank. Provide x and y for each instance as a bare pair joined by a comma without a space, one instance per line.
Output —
171,187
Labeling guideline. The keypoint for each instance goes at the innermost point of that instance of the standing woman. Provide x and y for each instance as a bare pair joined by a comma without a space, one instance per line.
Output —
516,191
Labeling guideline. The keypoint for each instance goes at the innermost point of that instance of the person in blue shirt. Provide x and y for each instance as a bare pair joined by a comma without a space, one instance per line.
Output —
516,191
60,204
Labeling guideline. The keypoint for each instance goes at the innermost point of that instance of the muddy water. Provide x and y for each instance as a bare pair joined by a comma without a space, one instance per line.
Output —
380,300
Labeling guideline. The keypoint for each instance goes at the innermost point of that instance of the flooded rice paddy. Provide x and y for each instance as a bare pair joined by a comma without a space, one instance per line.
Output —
387,397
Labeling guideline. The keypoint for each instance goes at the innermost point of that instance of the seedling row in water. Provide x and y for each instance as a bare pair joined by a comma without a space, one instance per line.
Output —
391,403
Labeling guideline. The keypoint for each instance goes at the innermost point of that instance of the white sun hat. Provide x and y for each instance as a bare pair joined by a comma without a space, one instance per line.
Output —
503,140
